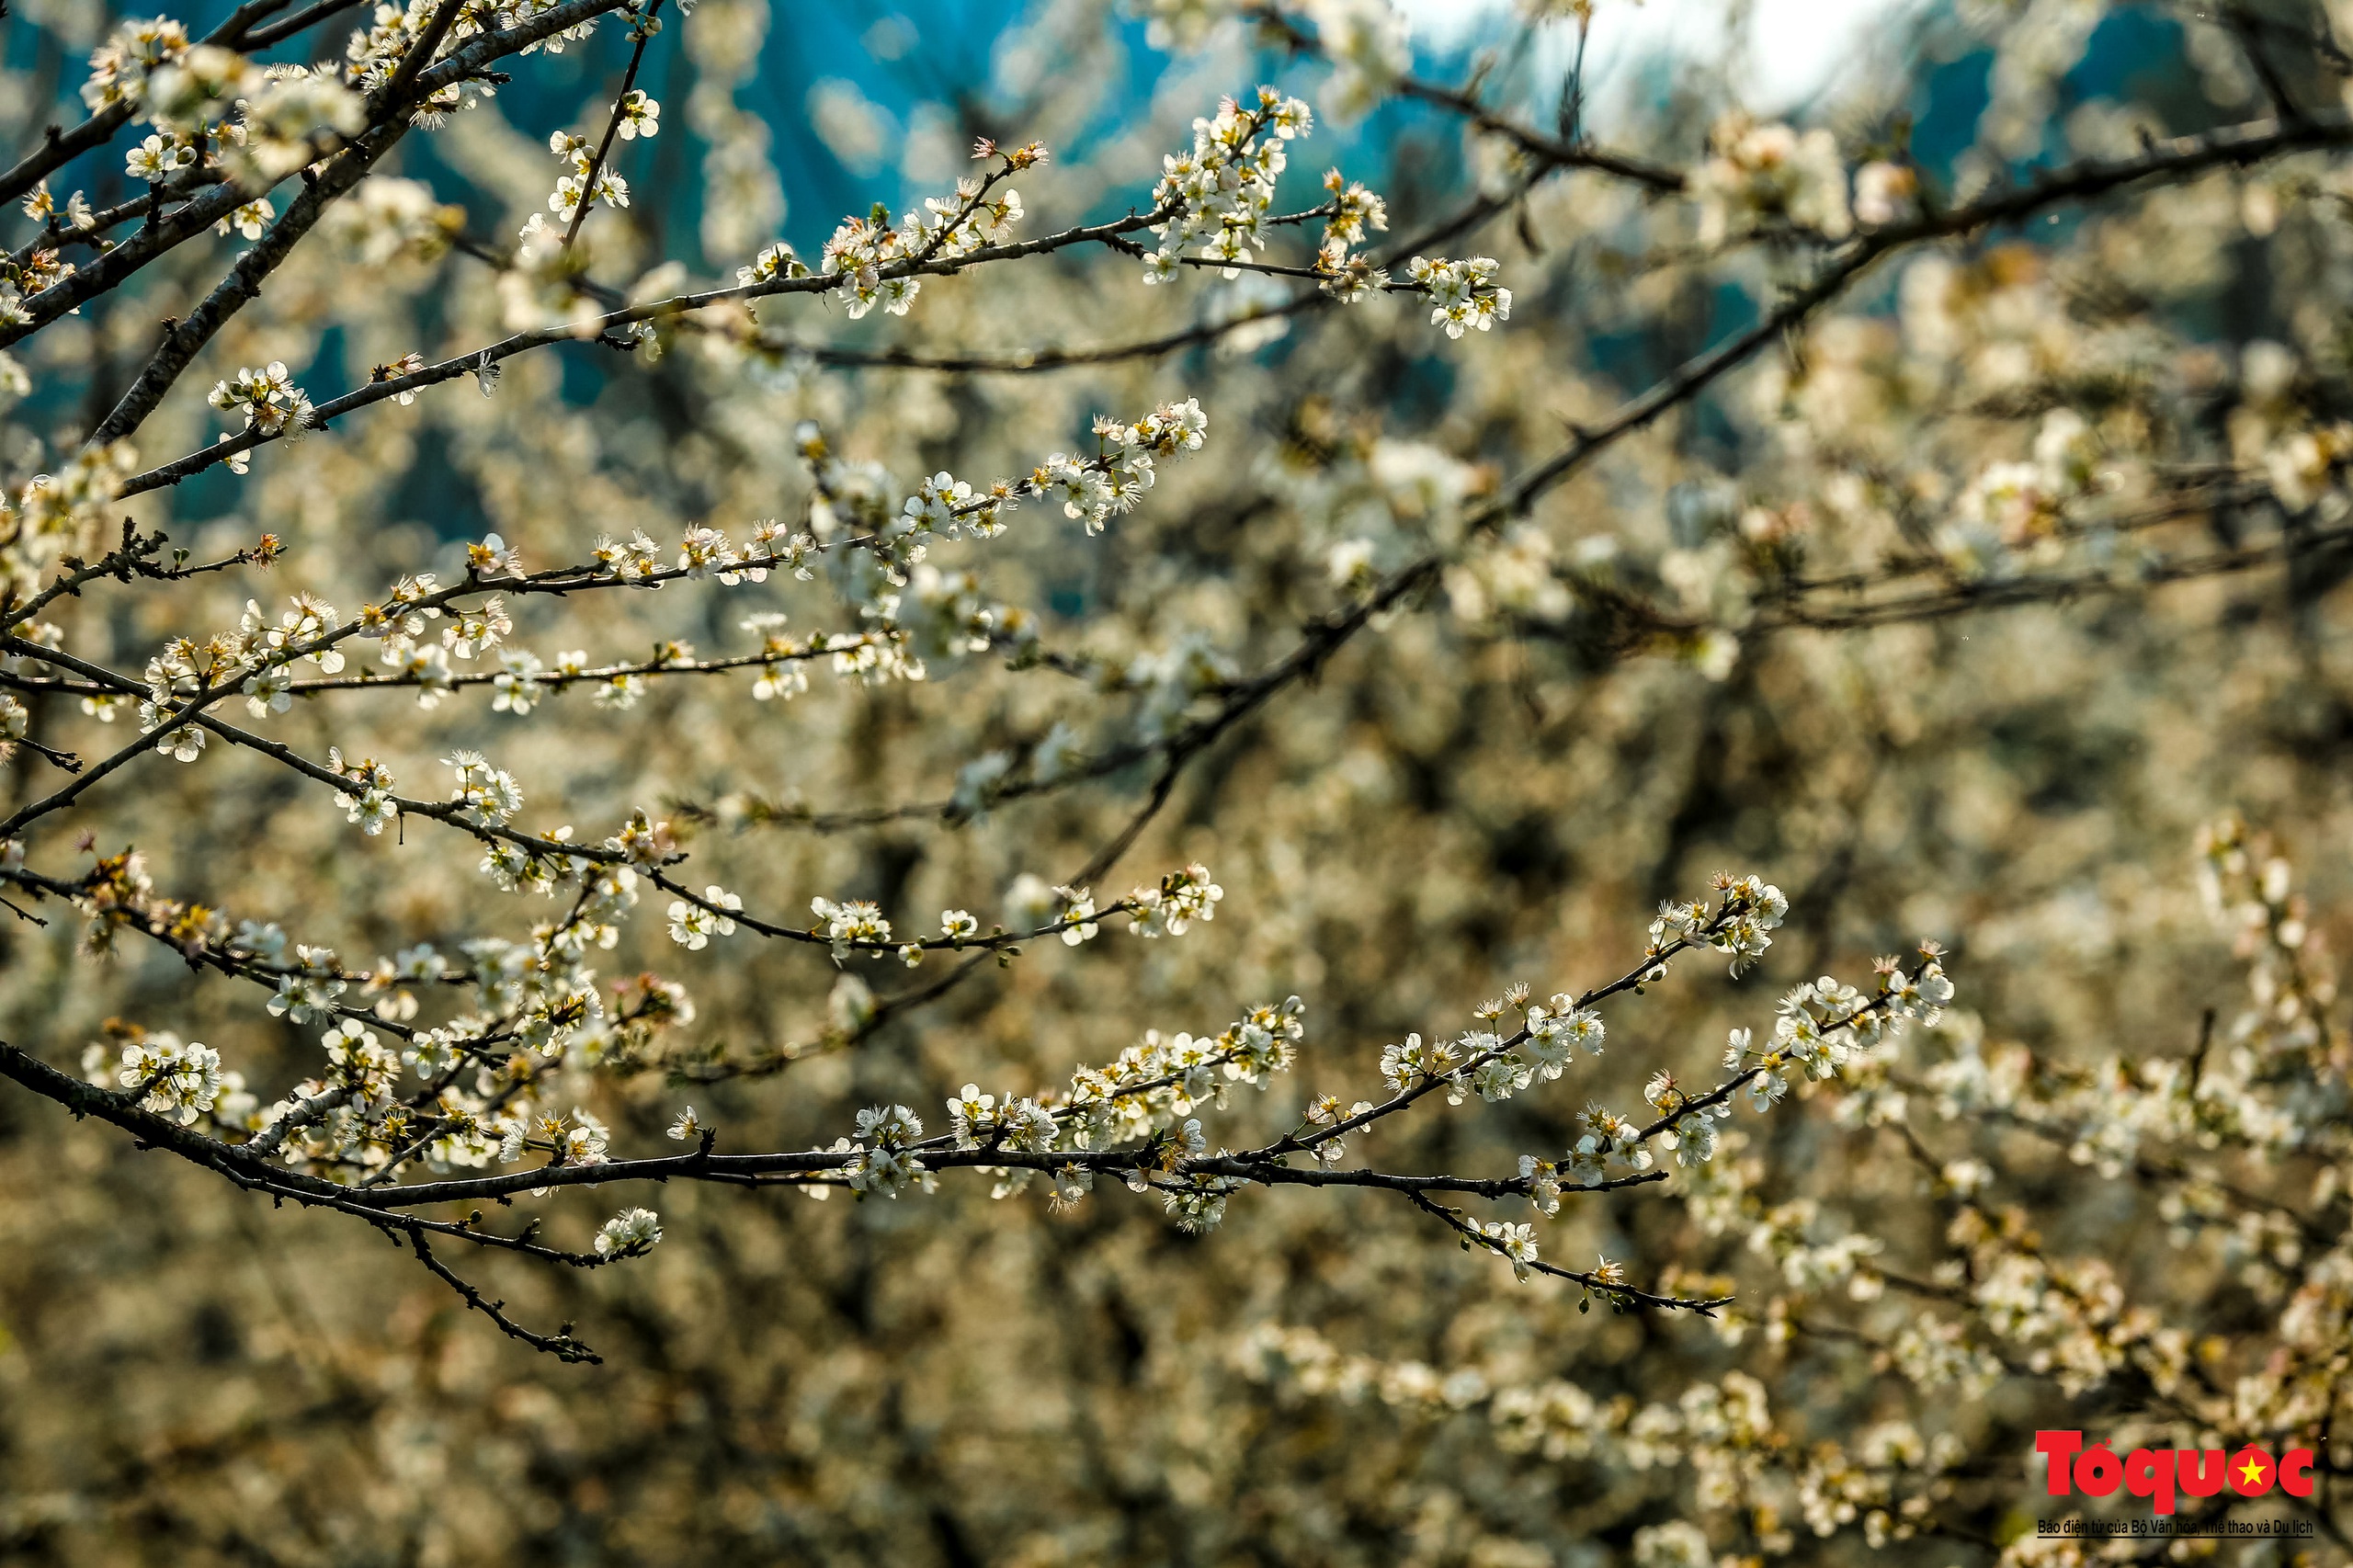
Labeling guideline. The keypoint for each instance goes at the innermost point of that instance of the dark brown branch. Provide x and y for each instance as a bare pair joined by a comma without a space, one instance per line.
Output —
301,21
59,148
1607,1288
561,1344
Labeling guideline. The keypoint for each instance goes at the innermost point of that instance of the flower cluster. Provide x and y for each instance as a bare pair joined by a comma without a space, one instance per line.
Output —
692,925
572,191
1220,195
257,659
268,398
2012,514
1147,1097
485,794
210,103
369,804
1463,294
286,122
1181,898
630,1234
847,921
120,67
1094,488
980,213
637,115
181,1081
880,1160
1763,173
1351,216
1748,909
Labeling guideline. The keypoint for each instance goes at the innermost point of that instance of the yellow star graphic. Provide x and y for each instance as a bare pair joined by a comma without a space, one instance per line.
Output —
2252,1470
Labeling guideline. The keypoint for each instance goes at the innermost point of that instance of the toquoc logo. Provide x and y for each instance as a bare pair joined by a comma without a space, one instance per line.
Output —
2157,1473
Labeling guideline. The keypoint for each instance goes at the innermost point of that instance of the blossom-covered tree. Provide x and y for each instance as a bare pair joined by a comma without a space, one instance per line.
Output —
416,774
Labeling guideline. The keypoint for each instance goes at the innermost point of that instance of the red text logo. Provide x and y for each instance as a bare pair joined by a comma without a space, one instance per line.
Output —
2159,1473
